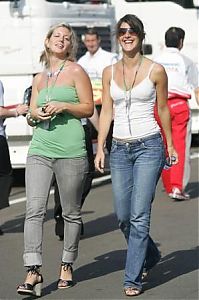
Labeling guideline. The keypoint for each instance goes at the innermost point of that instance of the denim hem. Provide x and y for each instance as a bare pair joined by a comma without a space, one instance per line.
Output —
69,257
32,259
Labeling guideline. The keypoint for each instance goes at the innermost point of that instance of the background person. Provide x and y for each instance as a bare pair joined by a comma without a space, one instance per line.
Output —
137,155
61,96
93,62
182,79
5,164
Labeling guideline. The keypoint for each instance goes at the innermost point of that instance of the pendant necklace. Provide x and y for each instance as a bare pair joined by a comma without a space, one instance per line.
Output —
51,75
127,90
46,124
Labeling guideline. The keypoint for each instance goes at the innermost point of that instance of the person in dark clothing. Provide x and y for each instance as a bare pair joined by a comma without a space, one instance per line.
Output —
5,164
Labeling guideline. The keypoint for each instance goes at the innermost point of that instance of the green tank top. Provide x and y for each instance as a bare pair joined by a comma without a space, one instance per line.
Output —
65,137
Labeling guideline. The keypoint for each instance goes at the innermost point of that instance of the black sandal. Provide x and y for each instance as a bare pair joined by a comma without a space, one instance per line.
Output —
145,274
32,289
63,283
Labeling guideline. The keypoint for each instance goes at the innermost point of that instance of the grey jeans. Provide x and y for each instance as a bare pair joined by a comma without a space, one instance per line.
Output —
70,175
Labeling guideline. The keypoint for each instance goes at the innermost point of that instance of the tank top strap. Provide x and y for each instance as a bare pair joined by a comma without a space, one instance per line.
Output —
150,69
112,70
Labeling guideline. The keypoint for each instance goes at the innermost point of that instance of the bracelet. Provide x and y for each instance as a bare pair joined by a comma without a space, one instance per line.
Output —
31,121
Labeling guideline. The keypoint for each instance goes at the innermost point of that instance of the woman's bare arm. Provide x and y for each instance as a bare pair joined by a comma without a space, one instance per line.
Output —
161,81
106,116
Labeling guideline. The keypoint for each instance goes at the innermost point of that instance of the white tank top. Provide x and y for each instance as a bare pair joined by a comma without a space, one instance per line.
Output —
134,109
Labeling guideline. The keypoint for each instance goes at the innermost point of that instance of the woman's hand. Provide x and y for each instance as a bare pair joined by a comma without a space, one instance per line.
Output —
54,107
99,161
41,114
173,155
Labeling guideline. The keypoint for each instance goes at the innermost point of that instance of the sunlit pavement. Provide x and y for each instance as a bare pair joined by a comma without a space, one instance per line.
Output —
99,269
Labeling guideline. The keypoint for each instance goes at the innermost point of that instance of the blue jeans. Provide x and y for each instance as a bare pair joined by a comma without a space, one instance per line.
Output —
135,169
70,175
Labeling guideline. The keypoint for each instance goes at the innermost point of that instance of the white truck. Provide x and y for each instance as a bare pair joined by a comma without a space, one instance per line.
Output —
157,17
23,26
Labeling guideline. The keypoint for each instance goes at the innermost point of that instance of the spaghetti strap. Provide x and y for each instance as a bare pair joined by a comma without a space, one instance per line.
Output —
112,71
150,69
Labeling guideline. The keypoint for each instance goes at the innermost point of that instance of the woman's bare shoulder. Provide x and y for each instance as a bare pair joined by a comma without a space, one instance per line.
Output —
39,80
74,67
38,77
157,69
108,70
149,62
158,73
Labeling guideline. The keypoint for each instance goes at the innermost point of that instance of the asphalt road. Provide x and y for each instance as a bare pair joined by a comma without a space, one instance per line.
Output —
99,269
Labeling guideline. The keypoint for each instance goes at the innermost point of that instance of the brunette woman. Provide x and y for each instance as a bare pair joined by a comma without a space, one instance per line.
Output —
137,155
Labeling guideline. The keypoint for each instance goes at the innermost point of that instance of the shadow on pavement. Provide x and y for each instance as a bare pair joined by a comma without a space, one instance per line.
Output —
96,227
16,225
102,265
105,264
193,189
172,266
100,226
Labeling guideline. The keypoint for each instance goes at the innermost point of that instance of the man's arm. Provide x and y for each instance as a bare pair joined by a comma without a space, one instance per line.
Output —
10,112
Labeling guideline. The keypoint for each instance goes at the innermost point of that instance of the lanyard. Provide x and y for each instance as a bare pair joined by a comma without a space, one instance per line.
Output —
128,91
46,124
49,75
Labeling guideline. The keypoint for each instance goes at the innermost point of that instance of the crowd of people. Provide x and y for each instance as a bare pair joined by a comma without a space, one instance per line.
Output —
143,120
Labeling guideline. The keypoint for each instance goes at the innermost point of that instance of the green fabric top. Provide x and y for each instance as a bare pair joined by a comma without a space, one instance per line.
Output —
65,137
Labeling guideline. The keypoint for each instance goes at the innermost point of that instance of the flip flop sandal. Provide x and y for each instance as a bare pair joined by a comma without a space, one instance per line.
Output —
131,291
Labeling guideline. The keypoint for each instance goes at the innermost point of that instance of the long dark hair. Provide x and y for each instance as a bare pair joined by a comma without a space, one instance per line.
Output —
134,22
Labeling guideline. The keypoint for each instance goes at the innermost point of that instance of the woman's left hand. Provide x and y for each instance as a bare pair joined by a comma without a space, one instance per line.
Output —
173,155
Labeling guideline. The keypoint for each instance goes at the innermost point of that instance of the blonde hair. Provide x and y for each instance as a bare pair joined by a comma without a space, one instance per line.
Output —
71,53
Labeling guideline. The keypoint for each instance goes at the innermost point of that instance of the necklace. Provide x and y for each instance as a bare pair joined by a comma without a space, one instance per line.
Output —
46,124
136,72
128,91
51,75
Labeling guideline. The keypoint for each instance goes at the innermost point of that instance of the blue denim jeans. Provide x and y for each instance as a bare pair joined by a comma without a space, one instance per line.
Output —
70,175
135,169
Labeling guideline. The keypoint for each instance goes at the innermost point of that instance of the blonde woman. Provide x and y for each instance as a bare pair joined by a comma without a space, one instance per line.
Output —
61,96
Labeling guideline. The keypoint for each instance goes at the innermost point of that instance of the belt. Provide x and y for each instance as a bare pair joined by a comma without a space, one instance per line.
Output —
140,140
